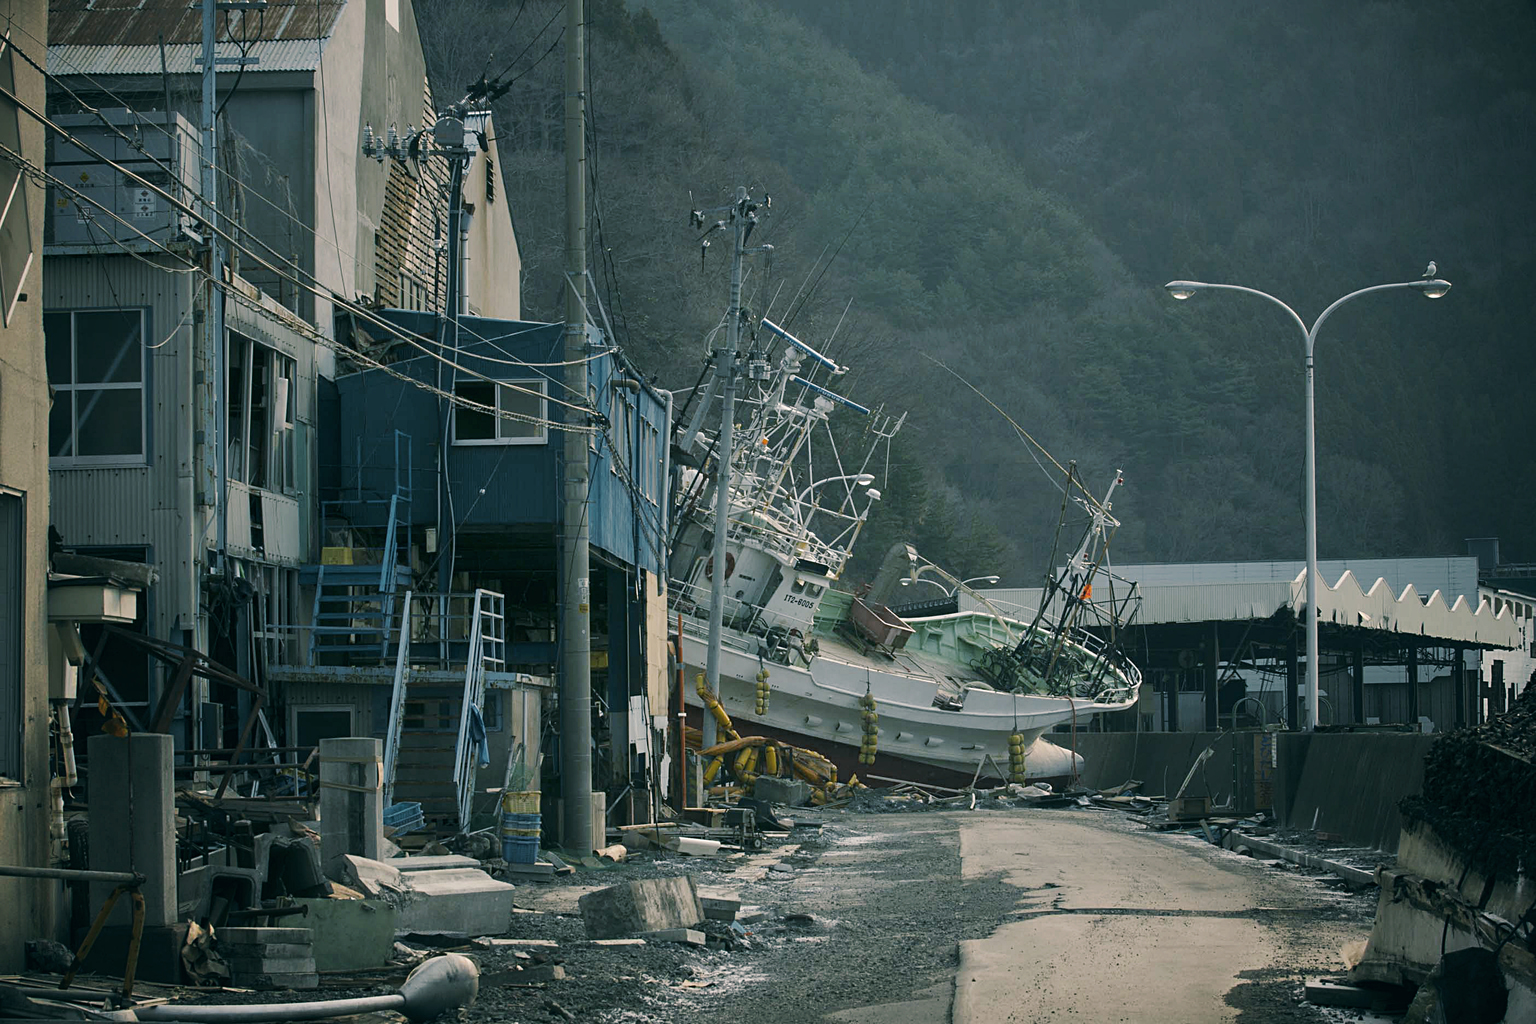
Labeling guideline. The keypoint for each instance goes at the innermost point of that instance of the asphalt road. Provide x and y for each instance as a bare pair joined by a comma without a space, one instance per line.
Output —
1118,924
983,917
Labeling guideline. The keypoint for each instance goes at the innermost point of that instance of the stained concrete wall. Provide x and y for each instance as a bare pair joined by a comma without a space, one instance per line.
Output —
1347,783
26,906
1351,783
1159,759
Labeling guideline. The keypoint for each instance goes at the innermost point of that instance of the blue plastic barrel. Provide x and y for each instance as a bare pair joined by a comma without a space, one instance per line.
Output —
520,849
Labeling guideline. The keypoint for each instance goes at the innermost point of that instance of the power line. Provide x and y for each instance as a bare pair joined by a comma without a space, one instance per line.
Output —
428,166
318,288
495,89
298,325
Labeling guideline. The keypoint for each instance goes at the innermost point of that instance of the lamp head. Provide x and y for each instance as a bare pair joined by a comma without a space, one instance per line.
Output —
1434,288
864,479
1181,290
990,579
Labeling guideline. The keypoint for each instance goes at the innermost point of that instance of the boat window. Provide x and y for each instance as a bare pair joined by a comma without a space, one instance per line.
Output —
798,587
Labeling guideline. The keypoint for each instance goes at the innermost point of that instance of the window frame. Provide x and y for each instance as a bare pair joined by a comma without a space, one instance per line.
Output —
295,710
69,388
503,386
14,202
13,562
278,425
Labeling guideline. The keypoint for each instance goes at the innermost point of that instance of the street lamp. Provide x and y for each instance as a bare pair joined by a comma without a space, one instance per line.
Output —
859,480
1431,287
907,581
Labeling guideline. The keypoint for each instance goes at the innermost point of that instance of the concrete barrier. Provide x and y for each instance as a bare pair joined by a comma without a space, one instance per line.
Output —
1346,783
1350,783
1159,759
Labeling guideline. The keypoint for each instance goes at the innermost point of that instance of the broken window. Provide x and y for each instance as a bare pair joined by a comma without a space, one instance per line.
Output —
96,367
260,410
313,724
521,398
15,228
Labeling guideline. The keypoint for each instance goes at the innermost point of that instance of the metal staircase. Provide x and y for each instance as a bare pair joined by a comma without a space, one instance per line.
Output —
356,592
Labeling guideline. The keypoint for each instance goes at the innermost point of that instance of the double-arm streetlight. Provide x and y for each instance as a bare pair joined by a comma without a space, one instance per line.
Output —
1431,287
907,581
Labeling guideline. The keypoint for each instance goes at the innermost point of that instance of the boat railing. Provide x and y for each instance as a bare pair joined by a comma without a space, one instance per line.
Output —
1065,661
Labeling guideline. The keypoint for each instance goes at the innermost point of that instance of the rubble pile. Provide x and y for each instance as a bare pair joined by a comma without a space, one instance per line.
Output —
1480,790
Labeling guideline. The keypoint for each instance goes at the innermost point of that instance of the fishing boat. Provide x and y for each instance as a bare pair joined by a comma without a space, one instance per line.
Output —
801,655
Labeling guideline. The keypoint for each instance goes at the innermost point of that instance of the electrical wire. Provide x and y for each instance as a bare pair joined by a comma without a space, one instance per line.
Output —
529,69
495,82
299,326
245,54
318,289
430,170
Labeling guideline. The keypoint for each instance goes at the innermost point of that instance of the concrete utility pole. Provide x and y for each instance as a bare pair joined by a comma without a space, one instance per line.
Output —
448,136
725,370
211,358
576,599
740,220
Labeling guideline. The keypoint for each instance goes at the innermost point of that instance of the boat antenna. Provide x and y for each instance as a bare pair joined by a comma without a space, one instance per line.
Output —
1031,444
794,311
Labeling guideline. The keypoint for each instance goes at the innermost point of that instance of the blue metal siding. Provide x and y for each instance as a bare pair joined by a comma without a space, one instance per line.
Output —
520,481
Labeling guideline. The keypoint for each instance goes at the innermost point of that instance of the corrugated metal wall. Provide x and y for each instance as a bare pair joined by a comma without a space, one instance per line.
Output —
151,505
146,505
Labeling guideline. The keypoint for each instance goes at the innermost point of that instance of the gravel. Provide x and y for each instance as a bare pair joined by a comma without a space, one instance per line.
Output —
877,921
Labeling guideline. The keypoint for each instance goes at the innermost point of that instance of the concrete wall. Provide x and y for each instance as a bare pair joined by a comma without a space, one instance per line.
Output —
493,268
1348,783
1351,783
26,906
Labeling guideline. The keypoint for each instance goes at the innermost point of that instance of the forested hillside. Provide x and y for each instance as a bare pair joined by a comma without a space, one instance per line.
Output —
1004,188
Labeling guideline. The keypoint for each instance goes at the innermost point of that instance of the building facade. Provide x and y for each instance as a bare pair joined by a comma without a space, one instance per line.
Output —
198,454
25,905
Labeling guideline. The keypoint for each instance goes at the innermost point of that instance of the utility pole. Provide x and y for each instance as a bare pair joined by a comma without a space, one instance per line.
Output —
448,135
576,598
208,356
740,220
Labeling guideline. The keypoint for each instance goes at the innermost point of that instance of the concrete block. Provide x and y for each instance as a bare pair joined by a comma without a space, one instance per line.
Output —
794,792
272,981
243,966
645,905
458,901
431,863
257,950
688,936
372,877
538,869
717,908
251,935
351,799
132,796
351,935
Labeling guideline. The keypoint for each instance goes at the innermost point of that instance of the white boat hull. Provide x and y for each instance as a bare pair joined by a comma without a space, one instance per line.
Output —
820,705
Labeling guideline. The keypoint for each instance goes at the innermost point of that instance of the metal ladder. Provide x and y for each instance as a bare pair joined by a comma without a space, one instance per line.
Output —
487,653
